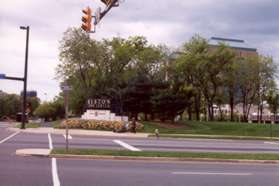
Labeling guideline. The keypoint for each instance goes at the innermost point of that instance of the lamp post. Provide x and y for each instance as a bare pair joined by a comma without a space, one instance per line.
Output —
23,116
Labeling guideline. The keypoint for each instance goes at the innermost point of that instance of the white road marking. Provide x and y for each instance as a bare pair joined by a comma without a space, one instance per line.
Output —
69,136
9,137
271,143
213,173
50,142
55,178
127,146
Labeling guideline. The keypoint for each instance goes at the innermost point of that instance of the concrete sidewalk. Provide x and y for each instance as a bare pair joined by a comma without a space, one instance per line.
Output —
47,130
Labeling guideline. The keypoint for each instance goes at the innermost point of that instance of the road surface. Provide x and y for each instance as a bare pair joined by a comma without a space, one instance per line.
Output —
16,170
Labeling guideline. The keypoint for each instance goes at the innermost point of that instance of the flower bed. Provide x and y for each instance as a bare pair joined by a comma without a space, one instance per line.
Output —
95,124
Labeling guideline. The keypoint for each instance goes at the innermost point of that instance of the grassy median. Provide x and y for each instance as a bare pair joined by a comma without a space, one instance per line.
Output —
214,128
214,155
29,125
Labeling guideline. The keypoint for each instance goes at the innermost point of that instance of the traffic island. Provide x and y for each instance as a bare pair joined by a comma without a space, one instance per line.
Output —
33,152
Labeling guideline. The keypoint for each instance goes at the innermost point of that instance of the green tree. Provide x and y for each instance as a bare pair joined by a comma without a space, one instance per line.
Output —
10,105
105,68
32,104
204,67
267,75
167,105
45,110
273,102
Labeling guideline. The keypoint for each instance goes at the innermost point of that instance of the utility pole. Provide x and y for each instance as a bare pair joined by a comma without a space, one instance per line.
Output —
23,116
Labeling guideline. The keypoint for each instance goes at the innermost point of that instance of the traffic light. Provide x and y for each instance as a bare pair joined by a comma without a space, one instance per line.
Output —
86,19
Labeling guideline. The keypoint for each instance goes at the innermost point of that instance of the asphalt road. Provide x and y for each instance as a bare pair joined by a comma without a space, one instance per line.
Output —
15,170
199,145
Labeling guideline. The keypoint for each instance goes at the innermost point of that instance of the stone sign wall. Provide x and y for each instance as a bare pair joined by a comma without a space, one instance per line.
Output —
105,115
99,109
98,104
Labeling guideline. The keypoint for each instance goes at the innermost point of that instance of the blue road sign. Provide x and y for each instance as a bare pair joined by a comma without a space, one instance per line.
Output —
2,76
31,93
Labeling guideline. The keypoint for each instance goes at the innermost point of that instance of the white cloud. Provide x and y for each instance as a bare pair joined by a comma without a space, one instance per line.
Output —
164,21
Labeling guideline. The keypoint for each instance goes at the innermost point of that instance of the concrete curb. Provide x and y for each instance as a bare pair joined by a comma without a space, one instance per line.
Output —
217,137
46,153
33,152
164,159
80,132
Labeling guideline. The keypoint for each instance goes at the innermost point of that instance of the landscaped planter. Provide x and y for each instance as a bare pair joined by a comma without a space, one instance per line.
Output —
96,125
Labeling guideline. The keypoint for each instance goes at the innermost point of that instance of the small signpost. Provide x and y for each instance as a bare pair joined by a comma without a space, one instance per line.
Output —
66,89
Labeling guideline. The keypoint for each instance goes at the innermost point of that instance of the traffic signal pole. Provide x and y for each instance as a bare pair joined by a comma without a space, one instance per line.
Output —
23,116
113,4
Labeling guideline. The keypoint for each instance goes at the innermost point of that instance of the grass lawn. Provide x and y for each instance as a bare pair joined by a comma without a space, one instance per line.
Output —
214,128
245,156
55,124
29,125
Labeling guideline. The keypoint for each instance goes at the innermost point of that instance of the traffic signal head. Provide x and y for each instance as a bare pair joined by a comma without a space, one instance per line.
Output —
86,19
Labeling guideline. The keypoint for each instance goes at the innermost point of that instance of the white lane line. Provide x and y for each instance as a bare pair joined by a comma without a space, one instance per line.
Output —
9,137
213,173
127,146
271,143
50,142
69,136
55,178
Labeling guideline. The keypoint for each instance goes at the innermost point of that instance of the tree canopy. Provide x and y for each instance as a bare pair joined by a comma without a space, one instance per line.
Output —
161,82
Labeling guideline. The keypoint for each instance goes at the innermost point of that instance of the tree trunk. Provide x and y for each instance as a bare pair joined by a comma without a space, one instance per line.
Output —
260,112
152,116
197,107
145,117
232,107
210,111
221,113
189,113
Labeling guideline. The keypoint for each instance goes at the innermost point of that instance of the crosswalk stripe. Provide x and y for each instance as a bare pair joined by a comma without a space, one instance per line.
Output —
127,146
69,136
9,137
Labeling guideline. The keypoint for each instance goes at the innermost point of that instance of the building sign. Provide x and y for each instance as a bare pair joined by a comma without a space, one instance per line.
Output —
98,104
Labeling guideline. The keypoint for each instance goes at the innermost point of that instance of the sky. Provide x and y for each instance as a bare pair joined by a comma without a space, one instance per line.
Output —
170,22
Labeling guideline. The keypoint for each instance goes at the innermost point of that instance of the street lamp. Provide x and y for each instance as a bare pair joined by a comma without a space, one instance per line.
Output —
23,116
